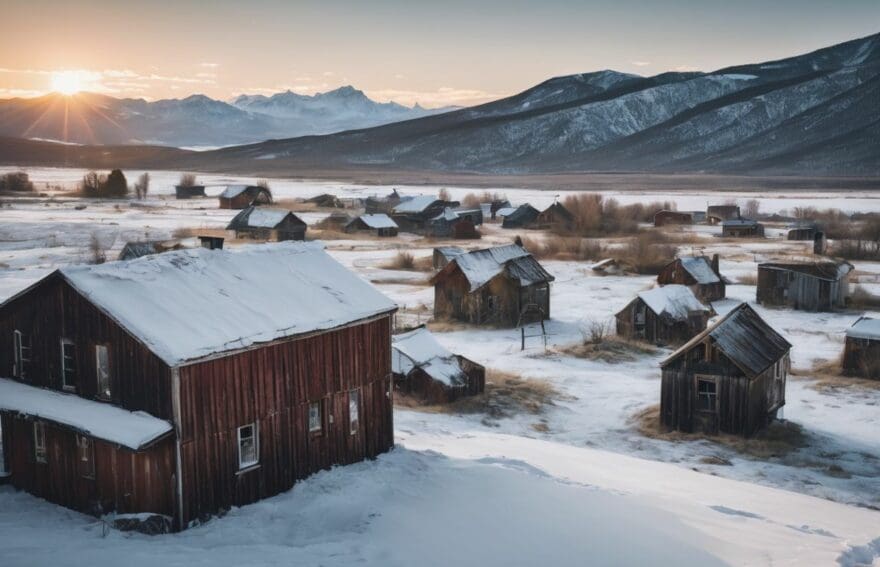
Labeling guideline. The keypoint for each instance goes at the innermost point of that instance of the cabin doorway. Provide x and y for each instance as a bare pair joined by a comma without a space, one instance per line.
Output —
639,319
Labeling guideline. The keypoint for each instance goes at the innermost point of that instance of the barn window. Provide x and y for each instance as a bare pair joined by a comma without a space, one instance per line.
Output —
39,441
248,446
68,365
86,453
354,411
102,369
706,395
22,354
316,424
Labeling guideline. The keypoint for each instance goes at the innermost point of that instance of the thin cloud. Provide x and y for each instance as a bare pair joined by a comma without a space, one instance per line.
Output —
640,63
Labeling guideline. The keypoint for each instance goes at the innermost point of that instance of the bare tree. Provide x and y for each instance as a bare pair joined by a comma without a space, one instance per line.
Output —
142,186
444,195
752,209
187,180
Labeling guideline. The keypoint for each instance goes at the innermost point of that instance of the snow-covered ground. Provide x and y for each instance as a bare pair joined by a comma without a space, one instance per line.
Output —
585,485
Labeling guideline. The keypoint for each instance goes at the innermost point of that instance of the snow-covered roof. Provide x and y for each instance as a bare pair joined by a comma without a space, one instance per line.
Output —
419,349
480,266
415,204
378,221
865,328
739,222
700,268
447,215
233,191
504,211
676,301
95,419
259,217
187,304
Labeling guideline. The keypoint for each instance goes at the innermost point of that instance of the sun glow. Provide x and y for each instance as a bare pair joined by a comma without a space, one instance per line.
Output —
67,82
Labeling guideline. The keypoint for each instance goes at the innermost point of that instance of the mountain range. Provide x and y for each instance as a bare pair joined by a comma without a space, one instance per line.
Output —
90,118
812,114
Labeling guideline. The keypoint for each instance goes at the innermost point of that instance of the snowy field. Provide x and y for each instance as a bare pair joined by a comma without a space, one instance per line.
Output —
577,484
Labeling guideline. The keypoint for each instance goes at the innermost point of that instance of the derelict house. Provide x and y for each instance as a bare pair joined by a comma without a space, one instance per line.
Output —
491,209
521,217
189,191
378,224
664,218
443,254
424,369
699,273
413,214
185,383
554,217
326,201
802,231
718,213
742,228
807,286
730,378
386,204
502,286
264,223
670,314
450,224
861,351
133,250
244,196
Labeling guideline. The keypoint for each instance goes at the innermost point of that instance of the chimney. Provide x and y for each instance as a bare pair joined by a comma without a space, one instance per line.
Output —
715,267
211,242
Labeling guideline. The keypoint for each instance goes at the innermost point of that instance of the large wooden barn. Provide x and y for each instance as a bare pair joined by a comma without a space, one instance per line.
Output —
185,383
244,196
861,351
265,223
425,370
665,315
730,378
699,273
502,286
807,286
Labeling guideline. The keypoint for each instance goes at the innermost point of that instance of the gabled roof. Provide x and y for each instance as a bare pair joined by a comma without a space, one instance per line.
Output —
233,191
261,217
523,212
449,251
505,211
829,271
448,215
559,209
700,268
419,349
865,328
674,301
415,204
137,249
377,221
107,422
745,338
190,304
481,266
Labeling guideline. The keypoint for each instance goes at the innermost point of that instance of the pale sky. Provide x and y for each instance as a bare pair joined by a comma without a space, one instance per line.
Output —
436,53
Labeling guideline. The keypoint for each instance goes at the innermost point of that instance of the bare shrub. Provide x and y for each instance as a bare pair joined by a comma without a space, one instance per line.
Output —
16,181
264,183
97,250
563,248
187,180
180,233
113,185
751,209
600,344
644,256
403,260
472,200
142,186
443,194
594,331
596,216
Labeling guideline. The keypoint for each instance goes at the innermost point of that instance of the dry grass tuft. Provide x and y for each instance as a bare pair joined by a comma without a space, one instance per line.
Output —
404,260
828,377
563,248
644,255
601,346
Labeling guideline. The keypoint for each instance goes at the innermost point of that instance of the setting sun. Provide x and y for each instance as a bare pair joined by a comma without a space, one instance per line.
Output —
67,82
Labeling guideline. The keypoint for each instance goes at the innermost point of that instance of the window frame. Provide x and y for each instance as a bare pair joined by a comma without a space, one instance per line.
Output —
319,428
21,362
713,396
85,451
100,392
64,370
354,425
255,436
41,451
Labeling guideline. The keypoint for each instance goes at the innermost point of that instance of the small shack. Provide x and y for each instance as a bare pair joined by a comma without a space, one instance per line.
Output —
378,224
244,196
413,214
719,213
495,206
742,228
806,286
730,378
665,217
521,217
424,369
665,315
861,352
337,220
699,273
449,224
263,223
326,201
473,215
133,250
386,204
189,191
443,254
555,217
802,231
494,286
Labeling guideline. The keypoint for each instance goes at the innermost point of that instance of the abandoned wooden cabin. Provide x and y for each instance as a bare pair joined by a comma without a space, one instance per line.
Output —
326,201
244,196
413,214
742,228
382,205
425,370
264,223
665,315
502,286
443,254
699,273
861,351
802,231
806,286
449,224
472,215
664,218
555,217
716,214
730,378
211,242
189,191
521,217
185,383
378,224
133,250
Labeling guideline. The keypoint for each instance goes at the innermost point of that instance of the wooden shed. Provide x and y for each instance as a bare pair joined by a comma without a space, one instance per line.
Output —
425,370
730,378
861,351
665,217
133,250
385,205
264,223
719,213
807,286
449,224
802,231
494,286
326,201
742,228
244,196
699,273
555,217
413,214
443,254
189,191
378,224
665,315
521,217
185,383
